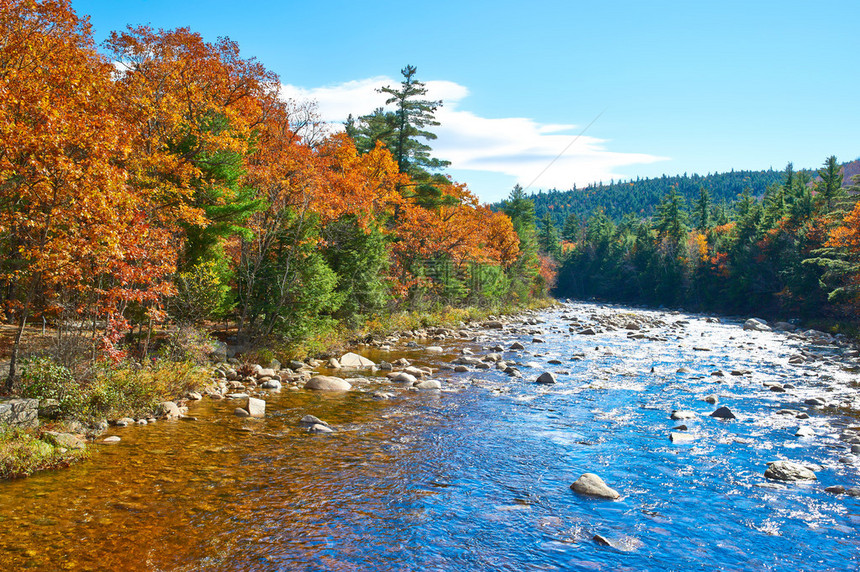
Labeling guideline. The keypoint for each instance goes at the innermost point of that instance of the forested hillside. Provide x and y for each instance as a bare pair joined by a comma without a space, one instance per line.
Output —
640,197
794,251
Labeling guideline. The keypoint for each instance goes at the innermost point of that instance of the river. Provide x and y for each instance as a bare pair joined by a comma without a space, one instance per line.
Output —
477,476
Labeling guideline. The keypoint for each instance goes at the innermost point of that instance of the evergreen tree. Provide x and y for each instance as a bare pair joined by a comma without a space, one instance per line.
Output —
829,189
548,238
404,131
703,210
521,211
670,220
570,231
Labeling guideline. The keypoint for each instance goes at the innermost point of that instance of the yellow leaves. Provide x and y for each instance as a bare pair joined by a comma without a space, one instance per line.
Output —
697,247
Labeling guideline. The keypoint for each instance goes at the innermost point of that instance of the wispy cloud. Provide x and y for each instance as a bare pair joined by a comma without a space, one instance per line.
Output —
518,147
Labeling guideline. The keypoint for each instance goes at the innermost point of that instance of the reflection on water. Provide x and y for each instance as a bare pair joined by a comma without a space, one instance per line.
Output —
470,479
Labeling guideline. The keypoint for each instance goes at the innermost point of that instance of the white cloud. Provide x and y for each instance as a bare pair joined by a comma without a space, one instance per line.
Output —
518,147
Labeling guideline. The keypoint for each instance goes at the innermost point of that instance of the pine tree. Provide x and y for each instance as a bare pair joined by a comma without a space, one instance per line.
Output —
830,189
670,218
548,237
703,210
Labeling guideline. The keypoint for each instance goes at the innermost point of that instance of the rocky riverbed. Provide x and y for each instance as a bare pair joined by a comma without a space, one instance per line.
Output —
586,437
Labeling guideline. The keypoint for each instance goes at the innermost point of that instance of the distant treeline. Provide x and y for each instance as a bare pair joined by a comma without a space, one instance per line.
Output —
641,196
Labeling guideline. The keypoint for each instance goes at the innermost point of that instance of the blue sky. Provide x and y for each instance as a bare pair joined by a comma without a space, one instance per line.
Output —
683,86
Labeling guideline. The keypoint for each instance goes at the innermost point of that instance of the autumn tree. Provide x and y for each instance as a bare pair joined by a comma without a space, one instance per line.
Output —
64,209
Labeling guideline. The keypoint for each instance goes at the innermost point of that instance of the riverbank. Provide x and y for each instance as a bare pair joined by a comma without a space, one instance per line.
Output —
54,433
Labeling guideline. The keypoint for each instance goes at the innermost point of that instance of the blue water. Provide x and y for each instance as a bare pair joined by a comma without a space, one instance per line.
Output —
477,477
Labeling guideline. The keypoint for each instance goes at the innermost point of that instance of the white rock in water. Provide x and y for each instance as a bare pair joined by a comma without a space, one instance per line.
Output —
592,485
434,349
429,384
403,377
681,438
679,414
256,407
354,360
311,420
789,471
804,431
756,325
317,428
328,383
111,439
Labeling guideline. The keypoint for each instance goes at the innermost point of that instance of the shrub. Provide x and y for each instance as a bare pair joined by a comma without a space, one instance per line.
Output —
22,454
187,344
42,378
136,390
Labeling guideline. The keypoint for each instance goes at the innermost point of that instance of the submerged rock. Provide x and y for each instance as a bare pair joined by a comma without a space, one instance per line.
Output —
592,485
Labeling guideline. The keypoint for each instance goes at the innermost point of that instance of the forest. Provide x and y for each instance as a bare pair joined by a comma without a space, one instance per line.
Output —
793,252
641,196
162,181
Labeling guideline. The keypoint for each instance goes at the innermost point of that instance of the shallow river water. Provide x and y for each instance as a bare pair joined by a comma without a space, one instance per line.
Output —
477,476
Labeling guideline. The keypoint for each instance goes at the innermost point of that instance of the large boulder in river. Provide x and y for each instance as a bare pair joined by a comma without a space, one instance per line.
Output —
592,485
546,377
327,383
354,360
788,471
756,325
723,413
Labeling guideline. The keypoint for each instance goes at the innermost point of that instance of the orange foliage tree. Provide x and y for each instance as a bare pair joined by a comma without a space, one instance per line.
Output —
63,205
